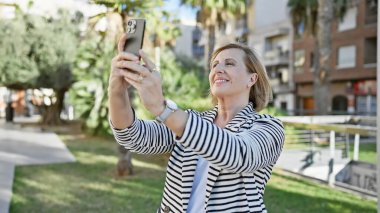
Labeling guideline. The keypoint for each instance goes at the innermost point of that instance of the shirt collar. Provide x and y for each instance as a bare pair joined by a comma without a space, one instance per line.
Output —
247,112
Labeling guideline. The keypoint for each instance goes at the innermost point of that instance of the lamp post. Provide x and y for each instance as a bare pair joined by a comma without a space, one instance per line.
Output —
157,50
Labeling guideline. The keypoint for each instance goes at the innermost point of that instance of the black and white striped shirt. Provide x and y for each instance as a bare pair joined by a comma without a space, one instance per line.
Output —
241,157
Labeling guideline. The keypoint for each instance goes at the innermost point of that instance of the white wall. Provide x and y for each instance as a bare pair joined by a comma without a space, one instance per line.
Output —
184,43
268,12
288,98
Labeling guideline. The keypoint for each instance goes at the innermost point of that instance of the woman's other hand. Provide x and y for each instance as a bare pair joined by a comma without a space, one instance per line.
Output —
117,83
147,80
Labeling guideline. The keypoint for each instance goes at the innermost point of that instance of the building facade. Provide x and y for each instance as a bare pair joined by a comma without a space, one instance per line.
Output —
271,38
188,43
353,63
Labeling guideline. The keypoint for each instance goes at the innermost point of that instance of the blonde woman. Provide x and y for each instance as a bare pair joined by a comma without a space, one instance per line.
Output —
220,159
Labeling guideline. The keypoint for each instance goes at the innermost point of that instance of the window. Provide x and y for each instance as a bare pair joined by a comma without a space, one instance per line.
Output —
371,11
346,57
283,105
370,50
300,29
349,20
283,75
366,105
299,60
312,61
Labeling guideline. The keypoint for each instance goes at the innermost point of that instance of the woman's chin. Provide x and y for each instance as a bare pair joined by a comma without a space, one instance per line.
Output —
219,94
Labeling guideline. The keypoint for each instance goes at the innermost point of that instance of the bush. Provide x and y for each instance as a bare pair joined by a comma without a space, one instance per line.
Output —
183,82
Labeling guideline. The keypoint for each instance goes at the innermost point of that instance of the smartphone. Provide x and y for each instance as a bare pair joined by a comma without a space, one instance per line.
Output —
135,36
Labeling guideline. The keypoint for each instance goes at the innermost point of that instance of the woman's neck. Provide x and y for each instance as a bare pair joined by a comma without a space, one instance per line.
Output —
227,110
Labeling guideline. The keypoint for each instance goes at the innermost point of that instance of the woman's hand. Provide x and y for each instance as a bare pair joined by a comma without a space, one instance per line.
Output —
146,79
117,83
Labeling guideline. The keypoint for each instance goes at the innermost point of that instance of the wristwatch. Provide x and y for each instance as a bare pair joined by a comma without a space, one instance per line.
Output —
170,107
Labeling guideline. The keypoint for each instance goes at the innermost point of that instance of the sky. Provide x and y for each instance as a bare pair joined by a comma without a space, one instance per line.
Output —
185,13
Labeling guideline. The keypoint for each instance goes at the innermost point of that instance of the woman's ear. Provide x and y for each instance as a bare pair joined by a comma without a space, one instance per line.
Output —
253,79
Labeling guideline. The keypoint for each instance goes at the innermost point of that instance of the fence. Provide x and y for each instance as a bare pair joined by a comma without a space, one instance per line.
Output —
332,132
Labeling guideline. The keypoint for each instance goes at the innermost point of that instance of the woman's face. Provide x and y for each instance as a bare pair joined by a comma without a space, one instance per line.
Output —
229,76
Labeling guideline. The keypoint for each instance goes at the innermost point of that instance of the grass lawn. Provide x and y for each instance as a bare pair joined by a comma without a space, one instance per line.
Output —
90,185
367,152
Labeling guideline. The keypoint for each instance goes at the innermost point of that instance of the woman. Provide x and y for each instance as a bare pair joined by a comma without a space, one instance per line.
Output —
220,159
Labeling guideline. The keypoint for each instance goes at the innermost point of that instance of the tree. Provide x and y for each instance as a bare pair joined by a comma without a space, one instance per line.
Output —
317,17
37,52
95,54
211,15
89,93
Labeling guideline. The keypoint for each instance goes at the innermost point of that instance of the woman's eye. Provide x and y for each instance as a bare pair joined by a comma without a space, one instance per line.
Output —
230,64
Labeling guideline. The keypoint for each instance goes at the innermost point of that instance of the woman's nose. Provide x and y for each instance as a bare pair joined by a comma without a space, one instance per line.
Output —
219,68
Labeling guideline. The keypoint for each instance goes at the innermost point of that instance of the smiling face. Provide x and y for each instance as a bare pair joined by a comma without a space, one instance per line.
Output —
229,76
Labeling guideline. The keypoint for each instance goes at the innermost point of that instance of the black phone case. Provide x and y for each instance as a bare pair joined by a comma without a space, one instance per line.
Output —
135,35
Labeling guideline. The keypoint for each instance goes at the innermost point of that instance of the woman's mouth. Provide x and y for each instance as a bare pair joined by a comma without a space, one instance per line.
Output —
220,81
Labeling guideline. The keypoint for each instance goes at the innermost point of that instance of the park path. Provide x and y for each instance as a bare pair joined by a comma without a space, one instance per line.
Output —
26,146
313,164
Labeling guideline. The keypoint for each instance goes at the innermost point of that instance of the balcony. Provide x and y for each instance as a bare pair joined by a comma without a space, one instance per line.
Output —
280,84
276,57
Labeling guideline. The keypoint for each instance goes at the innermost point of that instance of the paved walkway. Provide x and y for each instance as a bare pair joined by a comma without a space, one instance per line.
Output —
312,164
26,146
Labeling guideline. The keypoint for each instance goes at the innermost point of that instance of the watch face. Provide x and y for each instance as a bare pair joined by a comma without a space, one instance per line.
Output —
171,104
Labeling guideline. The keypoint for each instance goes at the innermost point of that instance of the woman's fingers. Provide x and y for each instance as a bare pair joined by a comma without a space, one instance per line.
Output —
138,78
132,82
133,66
127,56
121,43
149,63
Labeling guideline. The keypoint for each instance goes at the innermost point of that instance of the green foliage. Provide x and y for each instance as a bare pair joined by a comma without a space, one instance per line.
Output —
165,29
16,68
129,6
230,6
55,50
306,12
89,94
95,53
37,52
273,111
183,81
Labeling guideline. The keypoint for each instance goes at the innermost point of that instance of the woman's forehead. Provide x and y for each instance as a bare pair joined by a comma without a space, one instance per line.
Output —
233,53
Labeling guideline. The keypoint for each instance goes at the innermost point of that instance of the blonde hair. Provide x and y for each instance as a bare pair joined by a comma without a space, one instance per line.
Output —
261,92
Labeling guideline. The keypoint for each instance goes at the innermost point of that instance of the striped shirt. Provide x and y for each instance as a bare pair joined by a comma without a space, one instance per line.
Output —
241,157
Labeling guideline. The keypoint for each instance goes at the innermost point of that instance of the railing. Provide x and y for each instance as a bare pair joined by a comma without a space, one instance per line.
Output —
311,131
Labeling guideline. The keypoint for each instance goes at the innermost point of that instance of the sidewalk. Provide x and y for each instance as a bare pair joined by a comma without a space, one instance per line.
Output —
312,165
26,146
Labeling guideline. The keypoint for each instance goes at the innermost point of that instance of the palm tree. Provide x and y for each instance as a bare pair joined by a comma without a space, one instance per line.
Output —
211,15
165,31
117,16
317,17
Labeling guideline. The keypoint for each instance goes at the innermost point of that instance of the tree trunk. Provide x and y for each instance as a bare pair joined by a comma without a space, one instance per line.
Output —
124,164
52,113
209,47
117,22
322,70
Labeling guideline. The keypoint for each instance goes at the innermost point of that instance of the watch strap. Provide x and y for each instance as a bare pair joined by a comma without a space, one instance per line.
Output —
165,114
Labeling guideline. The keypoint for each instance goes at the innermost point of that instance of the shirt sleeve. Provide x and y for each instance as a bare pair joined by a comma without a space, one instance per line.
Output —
247,151
145,137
